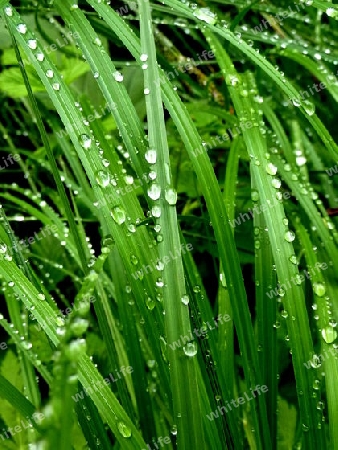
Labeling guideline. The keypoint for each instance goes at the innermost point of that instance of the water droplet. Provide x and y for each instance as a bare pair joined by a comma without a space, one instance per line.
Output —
254,195
276,183
185,299
190,349
102,178
22,28
97,42
56,86
32,43
319,289
329,334
154,191
124,430
134,260
144,57
151,156
332,12
85,141
41,296
9,11
289,236
146,91
150,303
205,15
271,169
171,196
156,211
118,76
309,107
40,56
49,73
118,214
296,102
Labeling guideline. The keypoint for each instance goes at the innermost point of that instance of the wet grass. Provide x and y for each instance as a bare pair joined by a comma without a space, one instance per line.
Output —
167,263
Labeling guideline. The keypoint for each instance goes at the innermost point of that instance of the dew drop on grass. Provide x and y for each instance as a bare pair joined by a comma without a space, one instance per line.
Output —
329,334
22,28
3,248
185,299
146,91
156,211
85,141
9,11
118,214
319,289
332,12
40,56
154,191
150,303
309,107
124,430
205,15
56,86
150,156
296,102
171,196
32,44
97,42
144,57
289,236
41,296
271,169
102,178
293,259
254,195
134,260
49,73
190,349
276,183
118,76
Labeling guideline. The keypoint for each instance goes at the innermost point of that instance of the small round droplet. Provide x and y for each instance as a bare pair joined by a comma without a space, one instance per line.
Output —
85,141
49,73
118,214
124,430
319,289
185,300
190,349
154,191
271,169
144,57
102,178
22,28
329,334
289,236
171,196
32,44
151,156
118,76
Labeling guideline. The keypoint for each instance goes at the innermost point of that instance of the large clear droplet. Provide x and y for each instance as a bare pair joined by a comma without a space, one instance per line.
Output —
205,15
102,178
190,349
22,28
329,334
271,169
85,141
118,76
124,430
118,214
171,196
289,236
319,289
150,156
154,191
